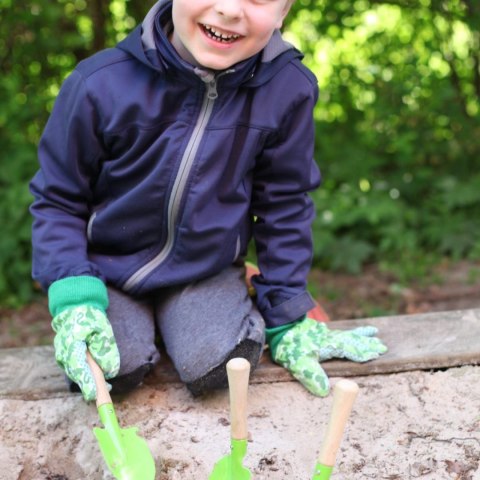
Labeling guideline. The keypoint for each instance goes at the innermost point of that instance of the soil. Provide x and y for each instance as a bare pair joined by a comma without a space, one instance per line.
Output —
419,424
411,425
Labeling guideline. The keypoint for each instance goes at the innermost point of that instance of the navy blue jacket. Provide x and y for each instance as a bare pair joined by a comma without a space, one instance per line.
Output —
155,173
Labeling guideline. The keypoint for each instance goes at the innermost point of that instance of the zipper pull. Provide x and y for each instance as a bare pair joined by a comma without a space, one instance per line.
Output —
212,93
208,78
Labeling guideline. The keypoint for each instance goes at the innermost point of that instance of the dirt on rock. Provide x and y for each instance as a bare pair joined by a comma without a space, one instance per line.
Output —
404,426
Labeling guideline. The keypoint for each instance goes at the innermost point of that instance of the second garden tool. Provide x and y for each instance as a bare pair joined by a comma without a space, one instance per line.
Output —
344,395
230,467
126,454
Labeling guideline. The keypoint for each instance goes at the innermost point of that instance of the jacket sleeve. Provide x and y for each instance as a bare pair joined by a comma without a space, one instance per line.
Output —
284,213
69,153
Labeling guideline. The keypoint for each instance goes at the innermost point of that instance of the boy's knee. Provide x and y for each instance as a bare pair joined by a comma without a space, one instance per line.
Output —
128,381
133,369
217,377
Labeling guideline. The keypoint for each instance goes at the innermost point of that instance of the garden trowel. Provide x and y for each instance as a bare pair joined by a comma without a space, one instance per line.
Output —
344,395
230,466
126,454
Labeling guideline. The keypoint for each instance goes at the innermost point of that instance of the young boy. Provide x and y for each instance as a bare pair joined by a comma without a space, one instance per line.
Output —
161,159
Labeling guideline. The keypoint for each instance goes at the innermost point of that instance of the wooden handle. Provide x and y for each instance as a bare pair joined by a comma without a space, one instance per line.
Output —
344,395
103,396
238,371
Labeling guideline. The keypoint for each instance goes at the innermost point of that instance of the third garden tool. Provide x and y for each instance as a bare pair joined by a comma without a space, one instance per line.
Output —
126,454
344,395
230,466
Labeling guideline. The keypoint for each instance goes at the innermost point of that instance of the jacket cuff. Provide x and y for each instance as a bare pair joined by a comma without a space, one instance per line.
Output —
72,292
289,311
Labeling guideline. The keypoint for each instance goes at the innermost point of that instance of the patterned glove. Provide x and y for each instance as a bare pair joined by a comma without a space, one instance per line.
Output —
309,342
77,329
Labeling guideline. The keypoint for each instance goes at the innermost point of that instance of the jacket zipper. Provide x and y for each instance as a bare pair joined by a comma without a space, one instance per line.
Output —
180,183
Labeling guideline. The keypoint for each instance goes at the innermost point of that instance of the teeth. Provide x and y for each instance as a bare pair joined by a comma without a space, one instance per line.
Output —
214,33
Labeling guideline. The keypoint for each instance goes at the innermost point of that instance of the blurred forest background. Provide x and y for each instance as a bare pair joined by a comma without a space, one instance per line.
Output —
398,126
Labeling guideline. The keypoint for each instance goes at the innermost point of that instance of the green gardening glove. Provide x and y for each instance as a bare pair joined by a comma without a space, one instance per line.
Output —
76,330
308,342
82,326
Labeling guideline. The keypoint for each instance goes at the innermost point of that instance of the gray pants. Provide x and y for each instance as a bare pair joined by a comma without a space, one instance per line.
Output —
201,325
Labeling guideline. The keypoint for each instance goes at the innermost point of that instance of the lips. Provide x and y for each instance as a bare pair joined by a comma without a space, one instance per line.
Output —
219,35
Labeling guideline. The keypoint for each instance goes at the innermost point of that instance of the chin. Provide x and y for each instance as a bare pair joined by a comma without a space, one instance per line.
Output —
215,61
216,66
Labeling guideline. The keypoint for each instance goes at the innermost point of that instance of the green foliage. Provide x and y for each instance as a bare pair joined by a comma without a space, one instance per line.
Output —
40,43
24,96
397,122
397,130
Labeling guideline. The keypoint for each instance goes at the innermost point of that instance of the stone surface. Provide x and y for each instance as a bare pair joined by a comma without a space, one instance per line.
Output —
410,420
415,342
403,426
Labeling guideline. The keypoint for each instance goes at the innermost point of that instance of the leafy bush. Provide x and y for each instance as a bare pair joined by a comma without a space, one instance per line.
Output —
397,123
397,130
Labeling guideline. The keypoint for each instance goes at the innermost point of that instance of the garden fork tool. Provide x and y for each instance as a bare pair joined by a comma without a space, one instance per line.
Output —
230,466
126,454
344,395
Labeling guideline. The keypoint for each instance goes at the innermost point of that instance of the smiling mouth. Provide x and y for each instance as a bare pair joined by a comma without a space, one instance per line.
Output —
218,35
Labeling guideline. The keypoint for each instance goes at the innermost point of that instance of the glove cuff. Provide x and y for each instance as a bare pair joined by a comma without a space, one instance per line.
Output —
72,292
274,336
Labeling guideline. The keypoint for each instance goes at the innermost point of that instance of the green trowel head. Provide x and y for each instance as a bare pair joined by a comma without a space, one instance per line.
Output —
126,454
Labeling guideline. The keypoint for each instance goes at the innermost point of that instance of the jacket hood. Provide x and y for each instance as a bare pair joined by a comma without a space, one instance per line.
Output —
150,45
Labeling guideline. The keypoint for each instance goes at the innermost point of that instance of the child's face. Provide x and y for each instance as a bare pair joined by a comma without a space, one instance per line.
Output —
219,33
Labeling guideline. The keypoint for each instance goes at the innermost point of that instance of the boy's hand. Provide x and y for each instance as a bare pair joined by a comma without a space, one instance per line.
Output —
77,329
309,342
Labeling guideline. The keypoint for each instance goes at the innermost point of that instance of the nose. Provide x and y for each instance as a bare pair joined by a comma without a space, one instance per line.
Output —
230,9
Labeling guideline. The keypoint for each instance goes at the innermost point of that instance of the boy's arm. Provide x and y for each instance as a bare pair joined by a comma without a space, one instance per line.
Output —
282,231
69,153
284,212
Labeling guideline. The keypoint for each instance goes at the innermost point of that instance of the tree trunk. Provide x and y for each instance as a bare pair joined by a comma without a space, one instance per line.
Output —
100,19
